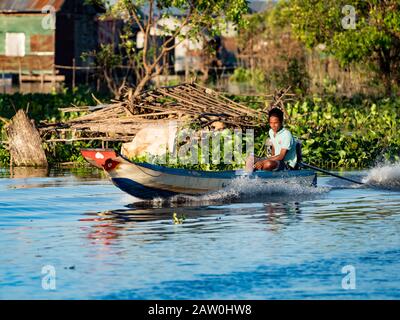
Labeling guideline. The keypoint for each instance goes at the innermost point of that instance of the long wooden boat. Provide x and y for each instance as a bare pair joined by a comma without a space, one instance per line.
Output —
148,181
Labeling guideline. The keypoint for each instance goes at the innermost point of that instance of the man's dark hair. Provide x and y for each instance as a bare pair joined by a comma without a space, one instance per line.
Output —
275,112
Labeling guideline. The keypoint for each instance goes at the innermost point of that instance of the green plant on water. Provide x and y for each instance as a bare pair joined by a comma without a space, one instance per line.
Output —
4,157
185,162
178,219
202,157
336,132
346,133
46,106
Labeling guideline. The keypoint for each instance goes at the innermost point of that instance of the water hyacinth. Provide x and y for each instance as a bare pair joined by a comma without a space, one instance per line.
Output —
335,132
346,133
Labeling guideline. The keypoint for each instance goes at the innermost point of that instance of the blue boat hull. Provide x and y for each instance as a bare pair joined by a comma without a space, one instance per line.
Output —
148,181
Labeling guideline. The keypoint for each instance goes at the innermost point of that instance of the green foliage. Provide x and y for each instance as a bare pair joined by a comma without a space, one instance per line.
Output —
216,162
253,102
346,132
335,132
45,106
267,45
4,157
374,41
255,77
295,76
183,164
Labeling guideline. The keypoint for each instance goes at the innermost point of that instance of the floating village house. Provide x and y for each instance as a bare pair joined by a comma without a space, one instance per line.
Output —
40,39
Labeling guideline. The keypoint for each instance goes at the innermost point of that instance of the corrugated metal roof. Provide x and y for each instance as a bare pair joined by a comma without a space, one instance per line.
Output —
258,6
28,5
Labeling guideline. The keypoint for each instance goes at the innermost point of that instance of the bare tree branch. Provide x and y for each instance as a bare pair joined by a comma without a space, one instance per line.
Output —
147,35
132,12
165,48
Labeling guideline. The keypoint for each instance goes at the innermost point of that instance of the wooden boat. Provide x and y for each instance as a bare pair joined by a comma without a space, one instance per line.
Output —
148,181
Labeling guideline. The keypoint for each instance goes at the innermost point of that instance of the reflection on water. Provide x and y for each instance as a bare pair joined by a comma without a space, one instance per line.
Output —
276,214
109,224
28,172
32,178
103,230
84,172
288,243
282,214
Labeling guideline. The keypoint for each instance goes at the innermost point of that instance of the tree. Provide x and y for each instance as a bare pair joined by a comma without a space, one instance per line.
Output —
163,25
269,53
354,31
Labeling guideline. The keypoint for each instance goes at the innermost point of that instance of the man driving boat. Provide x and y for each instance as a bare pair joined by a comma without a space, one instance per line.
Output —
284,155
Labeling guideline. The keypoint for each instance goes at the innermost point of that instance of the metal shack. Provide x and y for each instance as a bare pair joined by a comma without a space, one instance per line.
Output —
40,38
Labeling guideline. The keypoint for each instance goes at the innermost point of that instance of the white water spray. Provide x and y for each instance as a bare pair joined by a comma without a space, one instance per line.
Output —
245,188
384,175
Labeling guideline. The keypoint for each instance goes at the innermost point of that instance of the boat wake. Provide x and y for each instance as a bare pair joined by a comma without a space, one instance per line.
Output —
384,175
243,188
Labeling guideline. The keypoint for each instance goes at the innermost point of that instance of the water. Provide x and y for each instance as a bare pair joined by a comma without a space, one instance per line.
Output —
247,242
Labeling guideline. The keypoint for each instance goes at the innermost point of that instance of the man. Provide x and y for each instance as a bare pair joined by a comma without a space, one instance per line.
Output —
284,154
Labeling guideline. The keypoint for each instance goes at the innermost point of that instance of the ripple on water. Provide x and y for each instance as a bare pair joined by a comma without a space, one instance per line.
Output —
249,241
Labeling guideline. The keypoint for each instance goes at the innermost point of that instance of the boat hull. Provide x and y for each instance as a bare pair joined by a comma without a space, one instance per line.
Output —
147,181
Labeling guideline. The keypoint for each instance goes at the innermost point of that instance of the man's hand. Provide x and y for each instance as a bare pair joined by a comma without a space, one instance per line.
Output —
259,165
280,156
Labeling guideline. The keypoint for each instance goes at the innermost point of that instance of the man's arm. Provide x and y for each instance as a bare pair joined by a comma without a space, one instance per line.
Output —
259,164
280,156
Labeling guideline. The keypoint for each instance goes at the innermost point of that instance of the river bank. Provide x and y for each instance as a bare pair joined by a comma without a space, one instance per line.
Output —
336,132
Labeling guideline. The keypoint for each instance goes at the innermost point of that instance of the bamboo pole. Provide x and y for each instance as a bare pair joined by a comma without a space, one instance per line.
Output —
4,81
53,80
20,74
73,73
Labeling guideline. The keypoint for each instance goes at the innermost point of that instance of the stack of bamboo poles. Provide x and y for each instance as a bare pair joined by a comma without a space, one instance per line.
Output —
199,103
120,121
